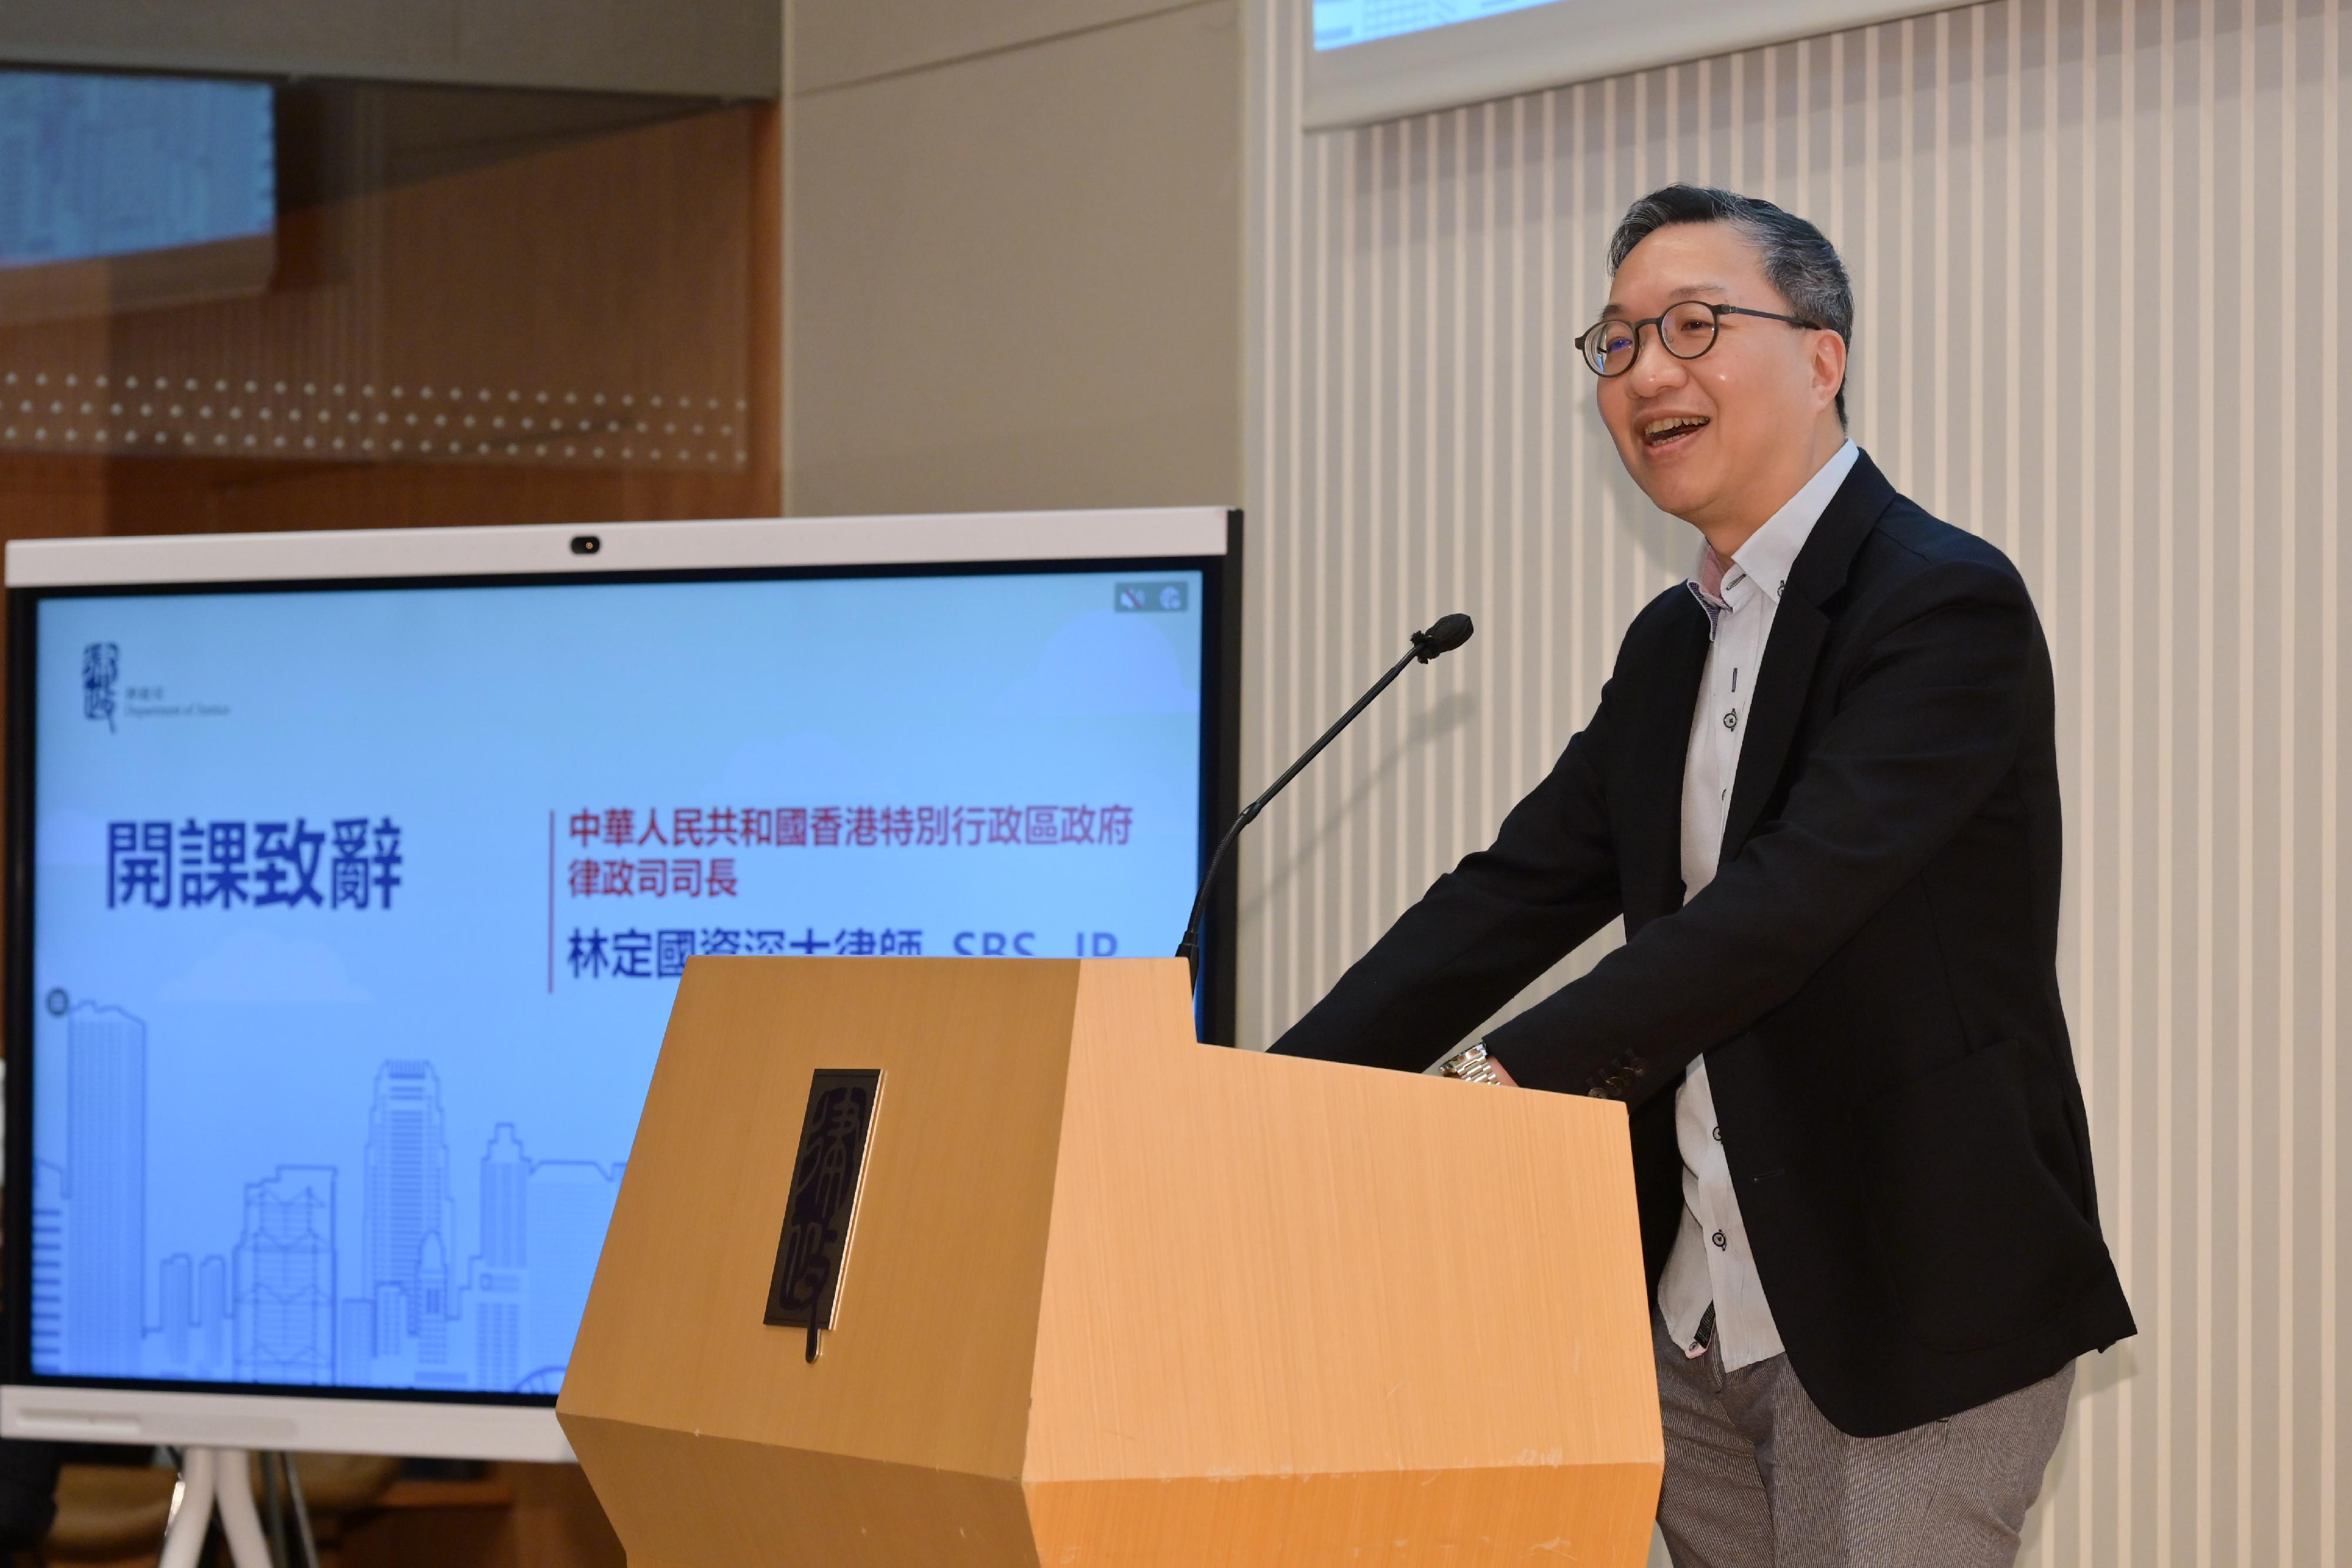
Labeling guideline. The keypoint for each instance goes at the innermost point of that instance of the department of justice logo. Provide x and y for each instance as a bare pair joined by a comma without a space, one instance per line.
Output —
101,668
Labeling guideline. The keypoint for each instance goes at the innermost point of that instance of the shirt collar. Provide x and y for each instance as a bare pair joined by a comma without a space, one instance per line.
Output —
1770,553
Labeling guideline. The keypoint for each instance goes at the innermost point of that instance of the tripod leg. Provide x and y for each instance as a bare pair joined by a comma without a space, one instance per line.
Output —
233,1489
183,1538
273,1508
301,1515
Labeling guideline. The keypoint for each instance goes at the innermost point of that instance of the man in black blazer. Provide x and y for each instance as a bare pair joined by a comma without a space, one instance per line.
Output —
1822,789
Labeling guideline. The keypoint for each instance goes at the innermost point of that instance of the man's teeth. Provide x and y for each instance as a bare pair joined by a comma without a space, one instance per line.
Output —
1659,429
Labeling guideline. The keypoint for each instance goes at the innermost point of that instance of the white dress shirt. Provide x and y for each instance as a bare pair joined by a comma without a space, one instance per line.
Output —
1711,1263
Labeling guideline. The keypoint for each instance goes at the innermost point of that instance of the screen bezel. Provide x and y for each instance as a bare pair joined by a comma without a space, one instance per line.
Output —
334,1417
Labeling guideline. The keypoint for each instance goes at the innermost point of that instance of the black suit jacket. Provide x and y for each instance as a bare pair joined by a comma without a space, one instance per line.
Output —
1872,974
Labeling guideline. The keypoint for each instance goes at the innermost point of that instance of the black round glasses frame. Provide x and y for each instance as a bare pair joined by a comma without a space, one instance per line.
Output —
1634,330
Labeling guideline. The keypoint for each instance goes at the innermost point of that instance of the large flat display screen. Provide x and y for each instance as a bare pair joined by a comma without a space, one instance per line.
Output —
358,912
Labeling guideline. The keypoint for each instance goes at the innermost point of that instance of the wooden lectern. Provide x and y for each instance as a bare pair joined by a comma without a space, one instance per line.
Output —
1111,1297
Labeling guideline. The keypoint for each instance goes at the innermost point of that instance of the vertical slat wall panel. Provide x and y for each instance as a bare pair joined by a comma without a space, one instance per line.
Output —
2099,249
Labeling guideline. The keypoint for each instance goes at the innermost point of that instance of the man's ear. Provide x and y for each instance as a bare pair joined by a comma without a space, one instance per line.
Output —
1828,365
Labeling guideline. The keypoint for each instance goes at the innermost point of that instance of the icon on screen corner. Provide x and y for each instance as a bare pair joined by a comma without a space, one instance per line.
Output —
1150,597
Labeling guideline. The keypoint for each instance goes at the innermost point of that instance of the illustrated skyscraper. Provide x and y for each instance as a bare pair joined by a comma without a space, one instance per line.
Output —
48,1305
175,1299
432,1303
212,1315
501,1269
569,1208
106,1190
285,1269
406,1199
354,1341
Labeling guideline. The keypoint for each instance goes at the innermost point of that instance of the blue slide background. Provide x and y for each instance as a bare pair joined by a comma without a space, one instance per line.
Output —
328,1142
1341,22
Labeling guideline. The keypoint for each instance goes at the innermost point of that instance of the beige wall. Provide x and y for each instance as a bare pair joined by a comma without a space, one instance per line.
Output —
2100,252
1012,255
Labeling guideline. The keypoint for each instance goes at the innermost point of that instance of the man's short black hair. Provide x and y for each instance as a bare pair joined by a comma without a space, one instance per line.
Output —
1799,259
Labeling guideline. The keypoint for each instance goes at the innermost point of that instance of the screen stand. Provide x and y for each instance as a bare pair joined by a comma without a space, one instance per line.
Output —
213,1478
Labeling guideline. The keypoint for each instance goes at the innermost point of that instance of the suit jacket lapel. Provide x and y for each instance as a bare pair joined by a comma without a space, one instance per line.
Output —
1799,629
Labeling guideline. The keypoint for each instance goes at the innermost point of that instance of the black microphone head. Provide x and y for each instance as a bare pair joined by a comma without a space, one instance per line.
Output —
1449,634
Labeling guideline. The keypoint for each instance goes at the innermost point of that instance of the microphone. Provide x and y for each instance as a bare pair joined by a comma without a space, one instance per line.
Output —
1449,633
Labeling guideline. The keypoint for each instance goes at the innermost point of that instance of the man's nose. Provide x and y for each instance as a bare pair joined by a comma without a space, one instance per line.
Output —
1654,370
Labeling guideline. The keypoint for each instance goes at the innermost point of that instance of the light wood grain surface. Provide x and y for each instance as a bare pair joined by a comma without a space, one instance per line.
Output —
929,1363
707,1501
1352,1312
1557,1516
1115,1297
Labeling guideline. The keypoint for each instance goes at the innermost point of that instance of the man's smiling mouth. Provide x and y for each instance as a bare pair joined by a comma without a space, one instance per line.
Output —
1669,430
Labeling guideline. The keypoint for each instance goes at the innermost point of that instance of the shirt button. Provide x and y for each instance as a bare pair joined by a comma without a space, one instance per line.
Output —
1731,720
1719,1242
1718,1135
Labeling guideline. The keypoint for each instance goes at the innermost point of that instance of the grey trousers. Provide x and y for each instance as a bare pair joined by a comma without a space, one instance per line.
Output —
1758,1478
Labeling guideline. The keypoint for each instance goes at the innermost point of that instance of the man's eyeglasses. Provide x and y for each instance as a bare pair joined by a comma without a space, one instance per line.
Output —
1609,346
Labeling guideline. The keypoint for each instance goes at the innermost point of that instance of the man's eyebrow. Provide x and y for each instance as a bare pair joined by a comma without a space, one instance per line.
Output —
1687,292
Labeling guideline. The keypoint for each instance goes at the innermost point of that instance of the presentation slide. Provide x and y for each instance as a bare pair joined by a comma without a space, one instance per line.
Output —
358,914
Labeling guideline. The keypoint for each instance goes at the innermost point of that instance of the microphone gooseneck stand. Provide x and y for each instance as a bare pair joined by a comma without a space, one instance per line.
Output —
1448,634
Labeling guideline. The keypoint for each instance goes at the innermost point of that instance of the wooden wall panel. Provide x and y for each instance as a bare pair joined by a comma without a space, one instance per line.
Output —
572,300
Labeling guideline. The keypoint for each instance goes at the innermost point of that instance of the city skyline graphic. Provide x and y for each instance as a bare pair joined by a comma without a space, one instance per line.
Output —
286,1300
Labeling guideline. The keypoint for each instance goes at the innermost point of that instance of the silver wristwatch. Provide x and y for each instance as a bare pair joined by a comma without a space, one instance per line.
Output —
1472,1065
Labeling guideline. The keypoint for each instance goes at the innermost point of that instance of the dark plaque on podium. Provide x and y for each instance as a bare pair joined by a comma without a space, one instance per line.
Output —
822,1211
